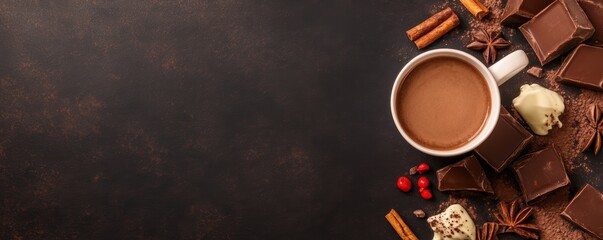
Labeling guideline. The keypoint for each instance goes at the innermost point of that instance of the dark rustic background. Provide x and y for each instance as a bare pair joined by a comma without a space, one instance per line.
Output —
198,119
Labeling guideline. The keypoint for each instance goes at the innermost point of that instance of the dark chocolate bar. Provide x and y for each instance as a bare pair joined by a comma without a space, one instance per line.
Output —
557,29
583,68
504,143
594,12
586,210
518,12
540,173
466,175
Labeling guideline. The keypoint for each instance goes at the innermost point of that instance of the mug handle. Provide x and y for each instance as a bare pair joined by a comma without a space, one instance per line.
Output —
508,66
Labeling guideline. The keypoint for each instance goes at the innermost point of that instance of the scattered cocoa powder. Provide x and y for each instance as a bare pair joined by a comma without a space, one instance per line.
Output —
492,21
570,138
552,226
461,201
504,187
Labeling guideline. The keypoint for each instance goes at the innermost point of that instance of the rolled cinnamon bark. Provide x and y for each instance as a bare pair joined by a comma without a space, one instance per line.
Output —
429,24
400,226
438,31
476,8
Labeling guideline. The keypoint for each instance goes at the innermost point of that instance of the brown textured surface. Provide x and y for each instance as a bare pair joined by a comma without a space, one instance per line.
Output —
220,119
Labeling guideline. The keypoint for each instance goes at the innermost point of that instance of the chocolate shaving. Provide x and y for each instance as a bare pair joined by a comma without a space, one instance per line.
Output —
596,122
488,42
513,220
488,231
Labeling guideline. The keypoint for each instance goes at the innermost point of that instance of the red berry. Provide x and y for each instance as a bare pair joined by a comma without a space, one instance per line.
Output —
422,168
426,194
423,182
422,189
404,184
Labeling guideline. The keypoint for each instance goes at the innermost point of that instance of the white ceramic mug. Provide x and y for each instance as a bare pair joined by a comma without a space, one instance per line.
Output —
495,75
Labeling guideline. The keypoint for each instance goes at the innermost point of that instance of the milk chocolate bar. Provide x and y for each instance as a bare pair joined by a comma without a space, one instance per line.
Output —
466,175
505,142
540,173
586,210
594,12
583,68
518,12
557,29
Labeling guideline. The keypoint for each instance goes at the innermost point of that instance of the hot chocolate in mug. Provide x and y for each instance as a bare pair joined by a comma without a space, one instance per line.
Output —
445,102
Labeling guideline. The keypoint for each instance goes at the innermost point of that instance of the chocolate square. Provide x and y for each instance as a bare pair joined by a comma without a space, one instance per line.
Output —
540,173
583,68
586,210
594,12
518,12
505,142
557,29
466,175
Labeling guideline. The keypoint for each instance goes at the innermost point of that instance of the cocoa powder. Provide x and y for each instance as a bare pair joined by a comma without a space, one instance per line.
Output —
452,199
552,226
504,187
572,137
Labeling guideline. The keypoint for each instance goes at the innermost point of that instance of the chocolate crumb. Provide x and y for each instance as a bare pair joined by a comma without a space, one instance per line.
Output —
413,170
461,201
419,213
535,71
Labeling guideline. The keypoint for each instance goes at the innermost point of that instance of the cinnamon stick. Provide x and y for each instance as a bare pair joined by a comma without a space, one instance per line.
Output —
438,31
429,24
400,226
476,8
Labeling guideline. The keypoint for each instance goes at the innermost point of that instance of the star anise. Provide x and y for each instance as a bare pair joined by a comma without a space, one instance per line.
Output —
488,42
488,231
513,219
596,123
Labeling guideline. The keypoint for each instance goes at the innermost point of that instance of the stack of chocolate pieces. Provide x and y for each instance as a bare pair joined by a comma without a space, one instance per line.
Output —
557,29
518,12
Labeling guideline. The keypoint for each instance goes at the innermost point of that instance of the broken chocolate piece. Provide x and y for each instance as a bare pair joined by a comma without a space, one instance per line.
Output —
585,210
535,71
594,12
540,173
557,29
504,143
518,12
583,68
466,175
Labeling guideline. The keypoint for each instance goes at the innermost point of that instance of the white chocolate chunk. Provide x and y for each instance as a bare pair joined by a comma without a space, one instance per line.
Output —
452,224
539,107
